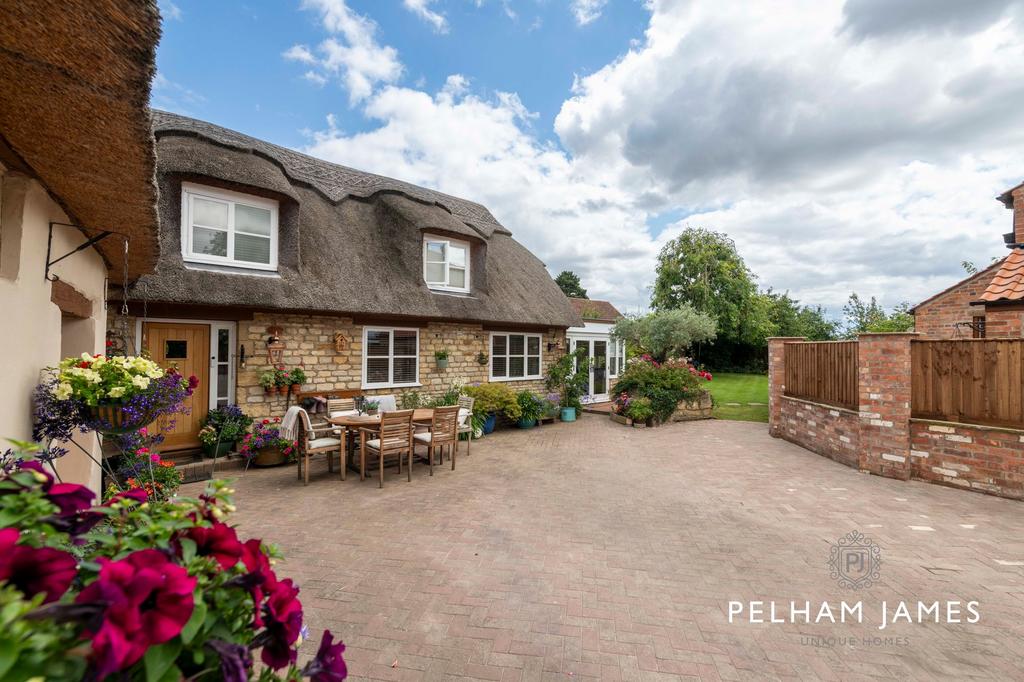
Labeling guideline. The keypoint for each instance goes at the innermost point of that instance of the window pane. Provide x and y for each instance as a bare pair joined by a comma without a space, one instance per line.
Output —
515,367
222,380
209,242
533,366
377,371
457,256
378,343
434,272
253,220
457,278
405,343
252,249
516,345
499,345
435,252
405,370
175,350
497,367
209,213
533,345
223,354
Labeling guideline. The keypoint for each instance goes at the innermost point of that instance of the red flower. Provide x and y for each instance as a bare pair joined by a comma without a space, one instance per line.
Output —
283,625
146,600
193,382
219,541
137,494
328,666
33,570
266,421
257,564
70,498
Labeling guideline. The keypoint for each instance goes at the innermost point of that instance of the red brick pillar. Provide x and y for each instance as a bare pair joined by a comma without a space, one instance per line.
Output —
777,380
884,373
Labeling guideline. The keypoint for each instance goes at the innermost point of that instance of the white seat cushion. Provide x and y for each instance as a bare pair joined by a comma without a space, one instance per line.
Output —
344,413
375,443
325,442
464,417
424,437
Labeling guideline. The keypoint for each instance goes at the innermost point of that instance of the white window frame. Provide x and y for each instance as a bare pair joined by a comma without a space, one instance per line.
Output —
190,190
390,356
439,286
525,356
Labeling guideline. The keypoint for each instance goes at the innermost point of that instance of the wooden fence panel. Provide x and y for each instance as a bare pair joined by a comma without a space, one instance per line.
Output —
823,372
976,381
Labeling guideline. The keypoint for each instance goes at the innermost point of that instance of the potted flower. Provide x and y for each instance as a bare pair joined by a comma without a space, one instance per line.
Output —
570,376
268,380
492,400
114,395
441,357
282,380
296,378
640,411
370,406
264,445
531,408
222,428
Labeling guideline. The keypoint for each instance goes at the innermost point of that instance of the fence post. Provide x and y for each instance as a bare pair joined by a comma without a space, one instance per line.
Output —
777,380
885,394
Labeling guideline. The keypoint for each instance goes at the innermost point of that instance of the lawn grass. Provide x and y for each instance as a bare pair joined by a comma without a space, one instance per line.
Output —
742,389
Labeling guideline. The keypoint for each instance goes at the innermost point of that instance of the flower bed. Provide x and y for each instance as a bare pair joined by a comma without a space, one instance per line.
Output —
139,590
262,444
651,392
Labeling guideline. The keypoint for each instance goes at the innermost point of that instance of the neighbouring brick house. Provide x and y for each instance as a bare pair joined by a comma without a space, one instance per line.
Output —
356,277
986,304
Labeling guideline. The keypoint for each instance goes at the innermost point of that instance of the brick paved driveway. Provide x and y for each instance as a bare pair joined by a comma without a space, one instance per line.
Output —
595,550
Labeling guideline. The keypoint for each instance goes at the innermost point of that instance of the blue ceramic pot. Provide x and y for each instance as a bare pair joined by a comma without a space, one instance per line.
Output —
527,423
568,414
489,422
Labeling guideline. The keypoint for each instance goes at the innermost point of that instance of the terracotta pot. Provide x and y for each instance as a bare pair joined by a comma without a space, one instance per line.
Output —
268,389
269,457
296,388
283,390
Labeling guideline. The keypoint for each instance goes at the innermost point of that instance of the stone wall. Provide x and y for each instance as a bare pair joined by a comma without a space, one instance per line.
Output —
882,438
985,459
826,430
309,343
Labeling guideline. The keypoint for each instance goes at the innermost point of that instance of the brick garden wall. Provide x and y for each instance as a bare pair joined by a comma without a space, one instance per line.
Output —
883,439
985,459
937,318
829,431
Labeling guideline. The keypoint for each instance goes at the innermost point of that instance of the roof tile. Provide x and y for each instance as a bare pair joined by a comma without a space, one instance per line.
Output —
1008,282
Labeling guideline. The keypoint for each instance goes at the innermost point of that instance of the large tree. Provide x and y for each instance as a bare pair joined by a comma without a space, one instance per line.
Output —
665,334
703,268
569,282
869,316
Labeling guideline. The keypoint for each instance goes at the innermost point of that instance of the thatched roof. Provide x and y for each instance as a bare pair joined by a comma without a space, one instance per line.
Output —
349,242
75,77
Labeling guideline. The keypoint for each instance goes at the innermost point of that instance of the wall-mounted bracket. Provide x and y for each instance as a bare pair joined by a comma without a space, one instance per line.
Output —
84,245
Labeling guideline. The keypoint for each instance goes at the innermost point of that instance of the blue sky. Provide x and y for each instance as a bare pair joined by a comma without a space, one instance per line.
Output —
843,148
228,55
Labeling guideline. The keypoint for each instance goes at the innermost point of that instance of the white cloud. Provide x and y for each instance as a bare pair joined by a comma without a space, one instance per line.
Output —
421,8
351,54
170,10
840,153
587,11
173,96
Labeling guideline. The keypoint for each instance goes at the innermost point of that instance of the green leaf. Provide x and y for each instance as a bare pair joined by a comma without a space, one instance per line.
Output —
159,659
191,628
8,655
188,549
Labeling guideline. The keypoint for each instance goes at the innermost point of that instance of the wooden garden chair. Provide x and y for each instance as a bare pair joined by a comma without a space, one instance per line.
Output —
315,440
393,438
466,403
443,432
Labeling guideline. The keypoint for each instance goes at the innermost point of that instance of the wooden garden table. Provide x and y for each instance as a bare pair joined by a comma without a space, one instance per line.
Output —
354,422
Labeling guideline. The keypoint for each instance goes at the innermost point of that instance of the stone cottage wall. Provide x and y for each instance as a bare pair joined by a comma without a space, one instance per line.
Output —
309,343
882,438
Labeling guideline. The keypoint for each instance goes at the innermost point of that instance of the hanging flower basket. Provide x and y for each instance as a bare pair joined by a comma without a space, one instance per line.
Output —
114,420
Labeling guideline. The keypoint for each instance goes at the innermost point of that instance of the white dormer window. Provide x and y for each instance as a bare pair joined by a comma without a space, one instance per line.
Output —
219,227
446,264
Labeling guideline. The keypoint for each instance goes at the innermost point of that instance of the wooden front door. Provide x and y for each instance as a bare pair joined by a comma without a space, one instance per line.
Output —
187,348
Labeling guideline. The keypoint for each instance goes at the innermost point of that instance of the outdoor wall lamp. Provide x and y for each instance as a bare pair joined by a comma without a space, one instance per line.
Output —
241,357
554,345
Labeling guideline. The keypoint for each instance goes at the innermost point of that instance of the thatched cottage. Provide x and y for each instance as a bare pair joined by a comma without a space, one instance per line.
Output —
271,257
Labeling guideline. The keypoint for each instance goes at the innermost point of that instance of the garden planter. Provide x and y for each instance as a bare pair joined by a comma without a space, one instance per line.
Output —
283,390
269,457
489,422
620,419
218,449
296,388
568,414
698,408
268,389
527,423
112,420
442,363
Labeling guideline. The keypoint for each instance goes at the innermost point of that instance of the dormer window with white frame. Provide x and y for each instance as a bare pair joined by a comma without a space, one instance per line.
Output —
446,264
220,227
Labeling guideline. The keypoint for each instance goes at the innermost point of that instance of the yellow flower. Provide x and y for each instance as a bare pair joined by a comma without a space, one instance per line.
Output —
116,392
86,357
63,391
141,382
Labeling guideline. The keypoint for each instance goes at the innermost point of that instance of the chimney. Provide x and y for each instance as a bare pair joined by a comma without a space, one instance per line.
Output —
1014,200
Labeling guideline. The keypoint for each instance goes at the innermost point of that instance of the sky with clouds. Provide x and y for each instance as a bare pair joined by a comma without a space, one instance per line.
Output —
845,146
